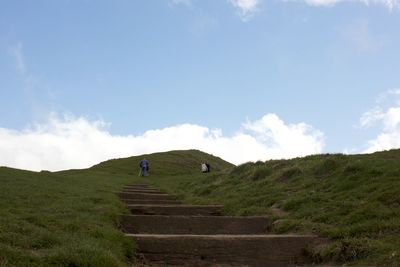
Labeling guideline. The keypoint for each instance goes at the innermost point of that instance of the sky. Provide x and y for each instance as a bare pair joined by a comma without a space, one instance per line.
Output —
83,81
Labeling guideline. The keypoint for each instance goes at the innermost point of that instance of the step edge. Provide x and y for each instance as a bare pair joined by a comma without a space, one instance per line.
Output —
193,216
175,205
224,236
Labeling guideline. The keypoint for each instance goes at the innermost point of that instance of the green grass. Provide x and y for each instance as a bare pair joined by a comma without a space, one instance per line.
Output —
71,218
352,200
64,219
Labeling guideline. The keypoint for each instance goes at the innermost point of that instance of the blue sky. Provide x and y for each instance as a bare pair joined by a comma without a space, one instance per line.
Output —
290,77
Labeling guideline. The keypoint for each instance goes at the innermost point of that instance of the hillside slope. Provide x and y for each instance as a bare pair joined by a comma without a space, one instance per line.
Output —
71,218
178,162
353,200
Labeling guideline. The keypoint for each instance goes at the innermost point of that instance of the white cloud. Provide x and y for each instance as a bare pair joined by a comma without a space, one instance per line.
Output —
17,53
180,2
246,8
35,89
281,140
322,2
372,116
390,4
389,120
78,143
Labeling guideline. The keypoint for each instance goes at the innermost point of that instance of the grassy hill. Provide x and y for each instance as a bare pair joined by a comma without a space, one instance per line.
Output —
179,162
71,218
353,200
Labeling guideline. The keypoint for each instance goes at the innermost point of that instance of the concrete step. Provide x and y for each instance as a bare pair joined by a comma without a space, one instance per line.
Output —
149,191
142,209
150,201
195,225
146,196
230,250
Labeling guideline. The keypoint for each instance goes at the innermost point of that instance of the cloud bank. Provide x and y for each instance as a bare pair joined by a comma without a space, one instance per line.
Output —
388,119
65,143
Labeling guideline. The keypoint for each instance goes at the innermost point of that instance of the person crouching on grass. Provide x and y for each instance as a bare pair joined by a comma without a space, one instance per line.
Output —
144,167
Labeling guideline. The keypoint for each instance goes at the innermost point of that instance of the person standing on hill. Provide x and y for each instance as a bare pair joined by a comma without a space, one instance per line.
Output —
144,167
204,167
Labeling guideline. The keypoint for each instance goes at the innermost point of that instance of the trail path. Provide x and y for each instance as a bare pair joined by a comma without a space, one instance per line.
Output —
171,233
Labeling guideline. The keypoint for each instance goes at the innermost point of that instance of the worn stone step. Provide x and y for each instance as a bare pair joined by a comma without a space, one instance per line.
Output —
138,185
232,250
125,195
138,188
150,201
143,209
196,225
150,191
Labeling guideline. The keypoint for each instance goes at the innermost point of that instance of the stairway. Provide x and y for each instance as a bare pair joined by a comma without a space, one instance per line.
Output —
171,233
